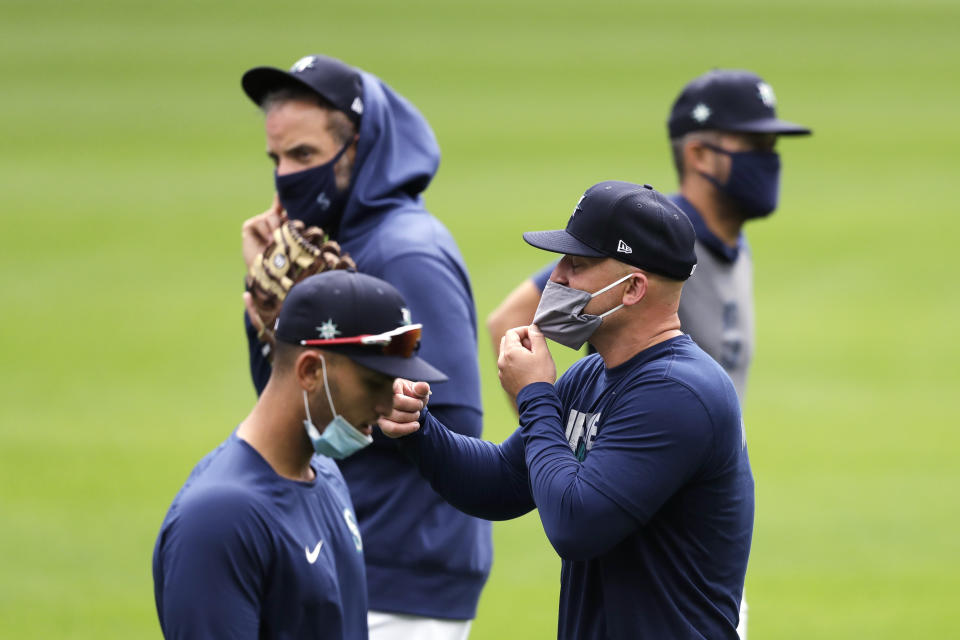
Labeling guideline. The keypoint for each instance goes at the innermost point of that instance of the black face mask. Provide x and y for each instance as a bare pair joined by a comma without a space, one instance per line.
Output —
754,181
312,195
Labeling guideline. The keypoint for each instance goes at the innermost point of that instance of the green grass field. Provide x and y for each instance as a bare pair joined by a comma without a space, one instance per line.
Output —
130,157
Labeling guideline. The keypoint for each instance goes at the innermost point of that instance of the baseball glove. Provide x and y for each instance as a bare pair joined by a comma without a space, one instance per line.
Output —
294,253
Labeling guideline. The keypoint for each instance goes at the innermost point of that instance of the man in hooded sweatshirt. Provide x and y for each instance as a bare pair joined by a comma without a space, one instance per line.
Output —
352,157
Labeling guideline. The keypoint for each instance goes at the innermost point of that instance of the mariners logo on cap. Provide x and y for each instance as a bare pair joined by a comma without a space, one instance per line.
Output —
303,64
701,112
765,92
328,330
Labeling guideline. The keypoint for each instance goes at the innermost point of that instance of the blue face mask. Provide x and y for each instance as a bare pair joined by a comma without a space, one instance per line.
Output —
312,195
754,181
339,439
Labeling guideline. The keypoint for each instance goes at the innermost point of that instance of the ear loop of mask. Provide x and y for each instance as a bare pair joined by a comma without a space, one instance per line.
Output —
607,288
326,387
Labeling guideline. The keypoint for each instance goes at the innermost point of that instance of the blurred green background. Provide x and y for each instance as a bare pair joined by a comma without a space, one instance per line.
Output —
130,157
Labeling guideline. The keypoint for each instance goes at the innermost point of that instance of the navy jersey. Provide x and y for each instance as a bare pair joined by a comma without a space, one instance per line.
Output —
246,553
642,481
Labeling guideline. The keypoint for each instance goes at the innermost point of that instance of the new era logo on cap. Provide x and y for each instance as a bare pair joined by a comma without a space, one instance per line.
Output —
628,222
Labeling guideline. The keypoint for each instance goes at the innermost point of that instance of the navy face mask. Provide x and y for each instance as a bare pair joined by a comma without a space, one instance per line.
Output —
754,180
312,195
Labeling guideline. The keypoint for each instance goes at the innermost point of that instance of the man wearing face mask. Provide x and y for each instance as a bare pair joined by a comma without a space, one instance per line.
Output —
636,457
352,156
262,540
723,127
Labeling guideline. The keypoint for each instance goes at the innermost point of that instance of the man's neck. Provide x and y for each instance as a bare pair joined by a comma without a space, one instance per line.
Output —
718,212
274,429
616,347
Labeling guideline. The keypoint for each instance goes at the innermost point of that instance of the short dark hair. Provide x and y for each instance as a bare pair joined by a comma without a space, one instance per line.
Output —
340,125
285,355
677,144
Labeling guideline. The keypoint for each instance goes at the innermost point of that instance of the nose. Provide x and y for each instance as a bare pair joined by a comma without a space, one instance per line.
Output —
285,167
561,271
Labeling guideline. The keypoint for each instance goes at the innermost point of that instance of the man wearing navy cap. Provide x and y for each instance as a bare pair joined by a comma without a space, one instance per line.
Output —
635,458
723,130
262,540
352,156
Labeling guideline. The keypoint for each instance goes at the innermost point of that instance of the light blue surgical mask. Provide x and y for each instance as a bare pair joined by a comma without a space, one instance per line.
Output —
340,439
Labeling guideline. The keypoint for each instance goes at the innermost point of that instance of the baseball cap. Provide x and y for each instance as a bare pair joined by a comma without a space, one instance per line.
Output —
628,222
729,100
356,315
337,83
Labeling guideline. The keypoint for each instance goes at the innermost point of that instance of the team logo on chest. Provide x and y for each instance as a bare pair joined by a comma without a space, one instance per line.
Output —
581,431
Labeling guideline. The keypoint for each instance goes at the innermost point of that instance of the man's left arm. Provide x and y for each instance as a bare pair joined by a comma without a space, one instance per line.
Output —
647,446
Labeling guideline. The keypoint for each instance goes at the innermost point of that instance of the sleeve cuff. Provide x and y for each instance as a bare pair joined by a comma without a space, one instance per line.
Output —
533,391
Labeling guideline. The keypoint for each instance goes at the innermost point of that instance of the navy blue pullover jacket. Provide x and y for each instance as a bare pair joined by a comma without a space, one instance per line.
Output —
641,478
423,557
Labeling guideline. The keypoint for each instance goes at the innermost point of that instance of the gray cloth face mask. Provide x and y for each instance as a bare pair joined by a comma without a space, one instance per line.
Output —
559,314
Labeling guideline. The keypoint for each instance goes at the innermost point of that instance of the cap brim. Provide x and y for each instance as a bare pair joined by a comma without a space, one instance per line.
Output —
770,125
413,368
260,81
560,241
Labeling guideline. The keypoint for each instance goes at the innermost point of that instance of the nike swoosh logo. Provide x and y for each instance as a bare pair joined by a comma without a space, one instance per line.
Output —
312,555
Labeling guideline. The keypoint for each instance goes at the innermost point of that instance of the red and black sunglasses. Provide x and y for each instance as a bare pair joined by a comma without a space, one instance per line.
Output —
402,341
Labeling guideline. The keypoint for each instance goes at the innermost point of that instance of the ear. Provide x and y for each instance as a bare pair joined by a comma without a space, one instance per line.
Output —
309,370
696,157
636,289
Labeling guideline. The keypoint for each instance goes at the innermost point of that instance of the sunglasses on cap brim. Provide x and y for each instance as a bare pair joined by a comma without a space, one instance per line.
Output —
402,341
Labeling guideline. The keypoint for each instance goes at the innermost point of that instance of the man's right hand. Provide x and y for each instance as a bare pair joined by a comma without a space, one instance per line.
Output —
409,398
258,231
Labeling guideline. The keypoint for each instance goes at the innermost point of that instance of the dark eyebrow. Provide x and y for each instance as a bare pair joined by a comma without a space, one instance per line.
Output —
301,147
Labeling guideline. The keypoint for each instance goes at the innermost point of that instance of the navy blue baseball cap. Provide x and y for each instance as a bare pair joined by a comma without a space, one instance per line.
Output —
729,100
628,222
359,316
336,82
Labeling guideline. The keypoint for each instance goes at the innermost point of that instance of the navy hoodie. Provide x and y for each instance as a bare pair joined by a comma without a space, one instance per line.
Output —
423,557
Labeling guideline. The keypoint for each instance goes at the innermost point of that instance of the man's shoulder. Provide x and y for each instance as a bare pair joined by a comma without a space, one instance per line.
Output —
407,245
680,364
225,483
411,230
691,368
